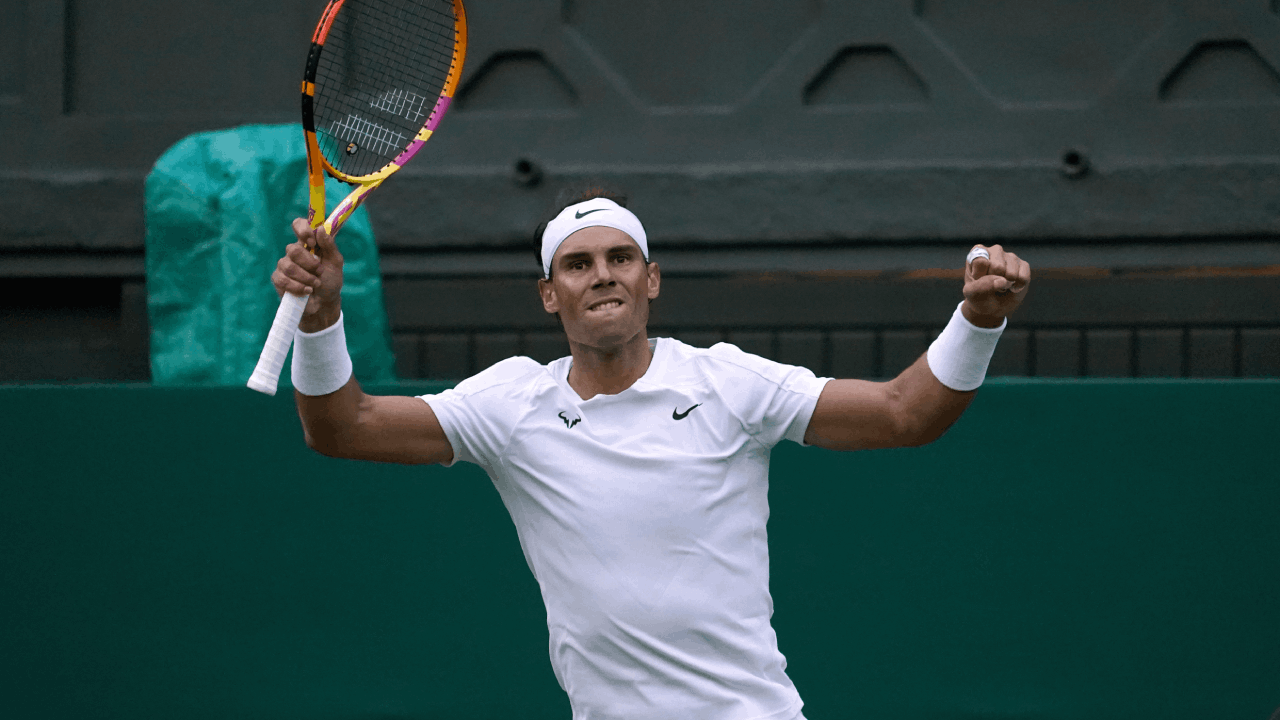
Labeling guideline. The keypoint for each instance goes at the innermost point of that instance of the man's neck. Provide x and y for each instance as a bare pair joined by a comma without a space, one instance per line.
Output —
608,371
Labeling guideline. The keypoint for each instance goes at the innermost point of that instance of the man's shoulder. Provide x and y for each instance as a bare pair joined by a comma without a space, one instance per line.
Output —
507,376
765,396
725,360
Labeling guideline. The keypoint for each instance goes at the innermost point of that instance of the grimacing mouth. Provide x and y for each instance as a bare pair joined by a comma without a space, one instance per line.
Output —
605,304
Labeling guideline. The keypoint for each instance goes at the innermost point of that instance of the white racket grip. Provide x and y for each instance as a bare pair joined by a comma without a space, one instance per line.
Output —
266,376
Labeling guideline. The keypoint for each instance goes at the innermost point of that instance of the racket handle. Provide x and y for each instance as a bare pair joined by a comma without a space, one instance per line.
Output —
266,376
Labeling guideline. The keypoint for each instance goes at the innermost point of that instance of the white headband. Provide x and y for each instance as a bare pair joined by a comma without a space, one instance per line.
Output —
600,212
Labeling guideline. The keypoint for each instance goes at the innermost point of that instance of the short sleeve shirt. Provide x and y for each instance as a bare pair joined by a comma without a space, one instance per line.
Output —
642,516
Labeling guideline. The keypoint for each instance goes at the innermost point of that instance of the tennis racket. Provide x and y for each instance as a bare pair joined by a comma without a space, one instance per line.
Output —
379,77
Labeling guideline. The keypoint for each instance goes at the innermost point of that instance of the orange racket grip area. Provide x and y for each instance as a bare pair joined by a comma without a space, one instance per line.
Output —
315,181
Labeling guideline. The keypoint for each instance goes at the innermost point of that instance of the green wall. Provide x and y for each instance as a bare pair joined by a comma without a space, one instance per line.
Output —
1069,550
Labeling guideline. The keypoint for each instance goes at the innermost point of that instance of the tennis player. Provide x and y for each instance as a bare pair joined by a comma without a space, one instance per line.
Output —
636,469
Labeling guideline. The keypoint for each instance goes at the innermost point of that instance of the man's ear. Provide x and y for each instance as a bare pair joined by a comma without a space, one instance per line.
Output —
655,279
550,302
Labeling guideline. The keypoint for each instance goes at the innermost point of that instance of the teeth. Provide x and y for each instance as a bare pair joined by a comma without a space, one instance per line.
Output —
611,303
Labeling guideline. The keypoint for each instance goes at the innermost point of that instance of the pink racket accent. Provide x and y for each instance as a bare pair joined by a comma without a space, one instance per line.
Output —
442,105
344,206
344,210
409,152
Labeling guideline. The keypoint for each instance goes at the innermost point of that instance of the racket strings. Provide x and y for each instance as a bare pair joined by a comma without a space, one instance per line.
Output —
383,67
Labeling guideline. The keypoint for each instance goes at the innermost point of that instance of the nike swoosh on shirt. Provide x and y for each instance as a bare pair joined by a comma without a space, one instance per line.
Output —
580,215
677,415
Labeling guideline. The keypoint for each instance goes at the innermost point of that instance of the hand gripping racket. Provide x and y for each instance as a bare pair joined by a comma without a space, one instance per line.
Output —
380,75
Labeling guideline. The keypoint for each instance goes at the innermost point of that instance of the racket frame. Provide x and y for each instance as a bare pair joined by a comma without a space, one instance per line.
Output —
318,164
266,375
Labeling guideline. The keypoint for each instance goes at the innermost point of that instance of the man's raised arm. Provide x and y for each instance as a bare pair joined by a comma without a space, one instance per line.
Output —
338,418
919,405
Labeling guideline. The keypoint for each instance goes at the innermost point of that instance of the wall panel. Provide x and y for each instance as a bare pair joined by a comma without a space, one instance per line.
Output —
826,139
834,122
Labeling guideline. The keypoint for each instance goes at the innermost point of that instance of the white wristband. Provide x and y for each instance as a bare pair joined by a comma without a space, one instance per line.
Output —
960,355
321,364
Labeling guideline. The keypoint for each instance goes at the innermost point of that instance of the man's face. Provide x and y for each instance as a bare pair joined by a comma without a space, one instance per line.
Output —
601,287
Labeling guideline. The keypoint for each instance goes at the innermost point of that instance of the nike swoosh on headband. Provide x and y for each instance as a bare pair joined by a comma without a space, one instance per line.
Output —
574,218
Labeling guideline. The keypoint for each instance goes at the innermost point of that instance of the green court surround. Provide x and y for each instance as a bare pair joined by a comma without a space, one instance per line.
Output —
1078,550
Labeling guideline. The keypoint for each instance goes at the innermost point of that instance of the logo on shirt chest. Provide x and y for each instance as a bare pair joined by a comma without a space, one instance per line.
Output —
567,423
677,415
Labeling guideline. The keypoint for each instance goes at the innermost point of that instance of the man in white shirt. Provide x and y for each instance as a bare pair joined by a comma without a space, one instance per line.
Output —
636,469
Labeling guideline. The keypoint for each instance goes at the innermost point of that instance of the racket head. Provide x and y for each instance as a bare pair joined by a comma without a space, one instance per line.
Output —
380,76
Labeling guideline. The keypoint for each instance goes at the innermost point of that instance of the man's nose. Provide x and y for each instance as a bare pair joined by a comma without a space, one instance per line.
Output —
603,274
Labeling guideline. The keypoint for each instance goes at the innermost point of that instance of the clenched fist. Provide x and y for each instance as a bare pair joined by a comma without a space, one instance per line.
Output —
312,266
995,282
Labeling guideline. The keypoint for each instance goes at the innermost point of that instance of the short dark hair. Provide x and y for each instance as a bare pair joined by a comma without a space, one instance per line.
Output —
572,195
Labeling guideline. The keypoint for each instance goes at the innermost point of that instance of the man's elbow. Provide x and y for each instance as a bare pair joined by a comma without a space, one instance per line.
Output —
328,444
926,431
919,440
908,427
317,445
914,428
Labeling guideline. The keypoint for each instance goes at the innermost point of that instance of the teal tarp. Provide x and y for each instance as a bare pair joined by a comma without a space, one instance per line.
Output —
219,207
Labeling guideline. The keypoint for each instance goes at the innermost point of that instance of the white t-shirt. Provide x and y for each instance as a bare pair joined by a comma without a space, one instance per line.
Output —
642,516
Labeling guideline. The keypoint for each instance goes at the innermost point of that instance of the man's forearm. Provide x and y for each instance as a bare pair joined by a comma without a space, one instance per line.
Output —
328,419
329,422
924,406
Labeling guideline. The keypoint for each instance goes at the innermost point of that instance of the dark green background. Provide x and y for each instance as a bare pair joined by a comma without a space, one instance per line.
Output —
1069,550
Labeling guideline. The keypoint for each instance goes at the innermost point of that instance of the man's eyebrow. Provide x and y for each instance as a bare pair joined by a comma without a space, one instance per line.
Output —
585,254
570,257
